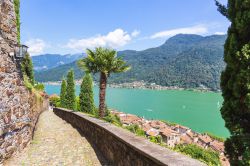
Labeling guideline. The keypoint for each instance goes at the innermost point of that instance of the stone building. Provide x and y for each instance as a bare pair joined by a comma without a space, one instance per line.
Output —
204,140
170,137
181,129
19,109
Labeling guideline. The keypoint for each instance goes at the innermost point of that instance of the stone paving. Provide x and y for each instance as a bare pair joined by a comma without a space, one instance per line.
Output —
56,143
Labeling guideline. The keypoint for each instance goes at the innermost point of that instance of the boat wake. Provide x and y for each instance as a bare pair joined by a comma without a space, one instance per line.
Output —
218,105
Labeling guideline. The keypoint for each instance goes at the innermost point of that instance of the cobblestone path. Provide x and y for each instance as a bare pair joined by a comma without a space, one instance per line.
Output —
56,143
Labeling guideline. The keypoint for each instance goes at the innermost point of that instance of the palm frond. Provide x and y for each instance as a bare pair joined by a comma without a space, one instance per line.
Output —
103,60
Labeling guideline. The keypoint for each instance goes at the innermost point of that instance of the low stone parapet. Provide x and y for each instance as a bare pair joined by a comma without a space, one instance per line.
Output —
120,147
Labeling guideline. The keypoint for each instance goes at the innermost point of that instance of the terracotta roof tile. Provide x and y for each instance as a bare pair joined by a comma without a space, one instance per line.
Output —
218,146
186,139
168,132
205,138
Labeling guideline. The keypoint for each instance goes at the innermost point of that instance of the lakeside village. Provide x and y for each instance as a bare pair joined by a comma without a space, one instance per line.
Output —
140,85
173,134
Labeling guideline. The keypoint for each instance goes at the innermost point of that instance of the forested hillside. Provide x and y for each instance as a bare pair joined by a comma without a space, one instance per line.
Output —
187,61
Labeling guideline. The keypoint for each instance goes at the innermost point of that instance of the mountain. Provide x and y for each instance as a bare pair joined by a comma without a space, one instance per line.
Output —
49,61
187,61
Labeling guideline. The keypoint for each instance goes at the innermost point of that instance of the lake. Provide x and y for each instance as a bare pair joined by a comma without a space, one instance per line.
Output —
197,110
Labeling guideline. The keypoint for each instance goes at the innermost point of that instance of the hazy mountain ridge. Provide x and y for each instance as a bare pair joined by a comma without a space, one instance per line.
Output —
49,61
188,61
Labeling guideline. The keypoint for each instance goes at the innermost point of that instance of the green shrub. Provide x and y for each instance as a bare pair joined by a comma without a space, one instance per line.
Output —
55,100
27,83
134,128
207,156
114,119
39,87
156,139
31,89
95,113
27,68
140,132
152,139
77,103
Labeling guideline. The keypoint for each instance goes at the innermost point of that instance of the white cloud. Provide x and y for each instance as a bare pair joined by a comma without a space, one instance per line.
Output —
36,46
220,33
135,33
114,39
198,29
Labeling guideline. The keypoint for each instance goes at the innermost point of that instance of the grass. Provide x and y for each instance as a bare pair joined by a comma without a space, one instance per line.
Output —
207,156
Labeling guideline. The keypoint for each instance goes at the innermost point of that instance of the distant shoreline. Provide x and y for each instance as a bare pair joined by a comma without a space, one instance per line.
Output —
141,85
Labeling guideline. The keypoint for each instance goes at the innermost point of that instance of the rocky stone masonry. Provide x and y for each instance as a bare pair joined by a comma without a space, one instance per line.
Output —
19,109
121,147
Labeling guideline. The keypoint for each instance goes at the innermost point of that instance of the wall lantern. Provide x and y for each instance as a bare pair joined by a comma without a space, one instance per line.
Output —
20,51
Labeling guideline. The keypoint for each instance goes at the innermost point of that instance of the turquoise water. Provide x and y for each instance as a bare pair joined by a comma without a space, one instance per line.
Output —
197,110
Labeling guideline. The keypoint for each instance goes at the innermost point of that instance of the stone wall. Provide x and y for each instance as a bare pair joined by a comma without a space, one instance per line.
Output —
120,147
19,109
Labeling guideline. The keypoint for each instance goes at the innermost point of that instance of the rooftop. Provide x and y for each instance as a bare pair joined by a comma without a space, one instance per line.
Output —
168,132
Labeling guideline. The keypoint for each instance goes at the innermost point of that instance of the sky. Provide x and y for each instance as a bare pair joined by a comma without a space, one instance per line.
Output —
71,26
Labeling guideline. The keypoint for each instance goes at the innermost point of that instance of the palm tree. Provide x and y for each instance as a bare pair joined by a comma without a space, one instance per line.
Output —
105,62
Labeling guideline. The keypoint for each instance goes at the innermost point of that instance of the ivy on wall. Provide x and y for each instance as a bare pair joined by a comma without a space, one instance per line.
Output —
18,22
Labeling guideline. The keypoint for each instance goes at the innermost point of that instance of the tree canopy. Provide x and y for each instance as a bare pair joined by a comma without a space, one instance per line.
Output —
235,81
86,96
63,94
70,97
103,60
27,68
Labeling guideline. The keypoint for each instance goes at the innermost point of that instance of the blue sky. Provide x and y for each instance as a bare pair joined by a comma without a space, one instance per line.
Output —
71,26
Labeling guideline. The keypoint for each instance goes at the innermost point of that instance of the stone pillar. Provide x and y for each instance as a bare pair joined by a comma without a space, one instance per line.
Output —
17,111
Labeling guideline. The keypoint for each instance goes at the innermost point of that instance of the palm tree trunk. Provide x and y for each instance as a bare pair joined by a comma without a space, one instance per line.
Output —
102,94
